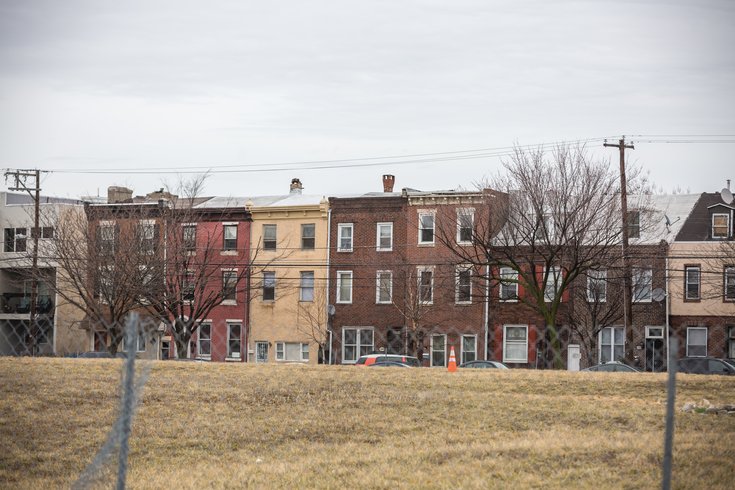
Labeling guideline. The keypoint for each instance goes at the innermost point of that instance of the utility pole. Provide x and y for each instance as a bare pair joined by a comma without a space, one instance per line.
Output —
21,178
627,282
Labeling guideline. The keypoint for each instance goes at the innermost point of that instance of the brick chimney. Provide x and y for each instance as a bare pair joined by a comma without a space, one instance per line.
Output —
296,186
388,181
117,194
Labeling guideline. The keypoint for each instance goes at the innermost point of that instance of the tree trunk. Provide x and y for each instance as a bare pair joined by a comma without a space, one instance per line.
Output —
555,343
182,345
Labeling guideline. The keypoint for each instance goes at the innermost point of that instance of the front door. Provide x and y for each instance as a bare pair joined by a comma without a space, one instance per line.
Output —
654,355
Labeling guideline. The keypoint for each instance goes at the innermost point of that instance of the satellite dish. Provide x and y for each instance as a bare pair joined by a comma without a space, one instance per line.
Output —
668,221
658,294
726,195
331,310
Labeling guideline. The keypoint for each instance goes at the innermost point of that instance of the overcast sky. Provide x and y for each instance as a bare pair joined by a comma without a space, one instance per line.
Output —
93,85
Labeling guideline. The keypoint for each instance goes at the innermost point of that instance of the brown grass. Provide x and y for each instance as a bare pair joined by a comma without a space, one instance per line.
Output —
232,426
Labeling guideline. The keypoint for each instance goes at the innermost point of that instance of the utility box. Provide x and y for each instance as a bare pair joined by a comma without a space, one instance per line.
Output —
573,357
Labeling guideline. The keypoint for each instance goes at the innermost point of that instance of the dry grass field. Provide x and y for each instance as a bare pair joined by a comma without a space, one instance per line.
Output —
234,426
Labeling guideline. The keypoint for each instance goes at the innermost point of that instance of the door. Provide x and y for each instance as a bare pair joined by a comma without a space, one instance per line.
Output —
654,355
573,357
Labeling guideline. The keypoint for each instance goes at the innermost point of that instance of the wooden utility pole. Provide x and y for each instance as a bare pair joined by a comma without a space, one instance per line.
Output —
20,184
627,282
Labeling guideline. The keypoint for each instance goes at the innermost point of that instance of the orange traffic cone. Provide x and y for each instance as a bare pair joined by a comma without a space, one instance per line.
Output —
452,361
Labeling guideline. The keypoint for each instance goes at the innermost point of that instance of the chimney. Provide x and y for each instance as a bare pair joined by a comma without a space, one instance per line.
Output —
388,181
296,186
117,194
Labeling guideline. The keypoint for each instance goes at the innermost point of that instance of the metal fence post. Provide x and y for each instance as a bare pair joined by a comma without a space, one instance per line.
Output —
670,401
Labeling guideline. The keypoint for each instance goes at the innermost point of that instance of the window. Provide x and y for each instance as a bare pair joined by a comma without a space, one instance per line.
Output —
234,340
439,350
147,235
612,344
426,285
551,286
229,286
269,237
729,287
463,292
306,292
140,341
384,287
597,286
292,351
187,285
642,278
344,238
15,239
356,342
261,352
508,284
465,225
691,282
145,279
344,286
634,224
469,348
731,341
385,237
46,232
204,340
720,225
107,232
308,234
269,286
230,237
697,341
106,283
515,343
190,237
426,228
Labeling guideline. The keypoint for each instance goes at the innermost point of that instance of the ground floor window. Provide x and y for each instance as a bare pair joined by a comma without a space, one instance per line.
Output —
234,340
515,343
439,350
261,352
612,344
165,349
731,342
469,348
697,341
292,351
204,340
356,342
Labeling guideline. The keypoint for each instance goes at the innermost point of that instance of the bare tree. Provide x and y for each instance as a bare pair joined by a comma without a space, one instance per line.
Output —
312,319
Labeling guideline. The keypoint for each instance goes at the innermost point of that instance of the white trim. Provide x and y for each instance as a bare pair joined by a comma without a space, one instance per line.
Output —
471,212
698,282
601,275
650,335
457,271
282,344
345,226
377,287
461,347
230,223
729,226
432,213
338,295
513,276
706,340
420,269
377,236
431,350
230,323
613,329
506,359
357,344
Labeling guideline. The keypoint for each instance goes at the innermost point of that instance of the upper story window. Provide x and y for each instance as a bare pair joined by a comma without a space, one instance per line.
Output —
308,236
642,281
465,225
107,232
597,286
229,286
15,239
204,340
634,224
508,284
269,237
189,237
269,286
46,232
463,293
344,286
306,289
344,237
691,282
384,239
229,232
729,286
384,287
552,284
426,227
426,285
720,225
147,235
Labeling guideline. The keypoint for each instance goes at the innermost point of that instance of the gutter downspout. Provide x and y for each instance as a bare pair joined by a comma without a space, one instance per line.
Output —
326,283
486,313
668,313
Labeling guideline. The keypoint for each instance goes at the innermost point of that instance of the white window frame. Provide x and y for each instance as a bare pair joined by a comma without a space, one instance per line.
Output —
420,272
232,273
147,243
340,228
462,352
421,214
457,275
304,227
727,226
281,351
728,274
552,283
634,223
199,340
138,344
508,273
378,288
189,245
465,212
270,244
444,352
106,236
358,344
596,277
383,225
613,330
638,274
271,274
258,344
506,342
304,286
706,340
689,271
229,337
225,247
340,279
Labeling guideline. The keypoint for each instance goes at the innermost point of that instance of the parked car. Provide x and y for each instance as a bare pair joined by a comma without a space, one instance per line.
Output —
612,367
369,359
389,364
484,365
705,365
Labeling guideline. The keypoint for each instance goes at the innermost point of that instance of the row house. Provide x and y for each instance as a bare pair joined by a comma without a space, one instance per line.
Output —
396,285
57,328
702,279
